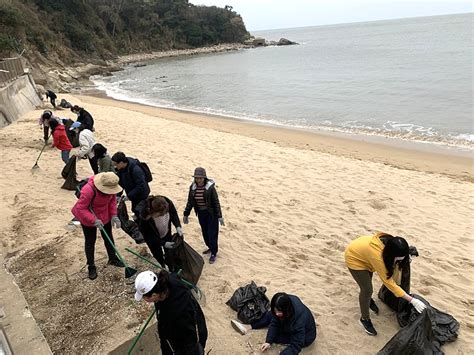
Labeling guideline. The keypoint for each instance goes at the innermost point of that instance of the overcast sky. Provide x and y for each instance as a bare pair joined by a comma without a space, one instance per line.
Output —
270,14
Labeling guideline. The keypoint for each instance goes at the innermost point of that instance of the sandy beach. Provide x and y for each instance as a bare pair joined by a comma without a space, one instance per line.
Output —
291,201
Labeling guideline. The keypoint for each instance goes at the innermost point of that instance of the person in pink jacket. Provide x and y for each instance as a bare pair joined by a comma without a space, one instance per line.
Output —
97,208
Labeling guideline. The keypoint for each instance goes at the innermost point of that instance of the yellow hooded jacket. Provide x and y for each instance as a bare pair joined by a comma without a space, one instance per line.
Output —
365,253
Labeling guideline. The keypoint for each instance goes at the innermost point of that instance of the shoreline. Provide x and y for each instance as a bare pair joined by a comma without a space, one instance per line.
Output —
146,57
393,152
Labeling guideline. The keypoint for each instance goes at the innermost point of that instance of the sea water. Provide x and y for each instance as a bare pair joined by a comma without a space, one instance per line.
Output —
409,79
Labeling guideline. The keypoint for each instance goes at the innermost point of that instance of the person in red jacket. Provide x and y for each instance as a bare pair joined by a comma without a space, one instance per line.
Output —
97,208
60,139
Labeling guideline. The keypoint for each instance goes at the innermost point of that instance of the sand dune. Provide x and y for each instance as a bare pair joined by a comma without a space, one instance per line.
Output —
289,214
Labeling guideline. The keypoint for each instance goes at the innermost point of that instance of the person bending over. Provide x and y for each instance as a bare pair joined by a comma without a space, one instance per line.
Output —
132,179
181,323
52,97
60,139
157,213
381,253
97,208
86,145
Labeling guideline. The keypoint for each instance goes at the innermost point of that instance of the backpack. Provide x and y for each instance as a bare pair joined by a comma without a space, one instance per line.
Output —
146,170
79,187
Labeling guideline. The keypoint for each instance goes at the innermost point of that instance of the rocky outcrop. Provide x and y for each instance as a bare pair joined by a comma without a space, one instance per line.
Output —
262,42
64,79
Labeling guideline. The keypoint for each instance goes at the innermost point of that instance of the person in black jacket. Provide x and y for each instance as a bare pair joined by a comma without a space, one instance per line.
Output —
181,323
132,179
203,198
84,117
52,97
292,324
156,214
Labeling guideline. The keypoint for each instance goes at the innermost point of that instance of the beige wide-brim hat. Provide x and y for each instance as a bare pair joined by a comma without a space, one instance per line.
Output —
107,183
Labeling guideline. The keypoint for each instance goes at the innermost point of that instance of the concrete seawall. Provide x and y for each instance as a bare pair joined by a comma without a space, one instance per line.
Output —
17,98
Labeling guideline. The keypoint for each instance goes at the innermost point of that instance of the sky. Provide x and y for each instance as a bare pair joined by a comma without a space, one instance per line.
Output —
271,14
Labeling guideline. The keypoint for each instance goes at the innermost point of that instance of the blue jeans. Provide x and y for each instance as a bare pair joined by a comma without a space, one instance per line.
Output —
210,229
65,156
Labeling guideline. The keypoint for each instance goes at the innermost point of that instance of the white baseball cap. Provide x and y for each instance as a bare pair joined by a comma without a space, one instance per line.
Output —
144,282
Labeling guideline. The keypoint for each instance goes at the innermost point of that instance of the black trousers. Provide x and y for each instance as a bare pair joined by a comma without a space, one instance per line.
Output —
90,235
45,133
154,244
94,164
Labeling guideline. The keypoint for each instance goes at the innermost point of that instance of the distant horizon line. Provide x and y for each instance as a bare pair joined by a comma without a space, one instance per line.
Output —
349,23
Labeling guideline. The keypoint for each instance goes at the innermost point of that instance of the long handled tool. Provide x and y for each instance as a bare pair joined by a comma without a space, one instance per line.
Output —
129,271
36,166
135,341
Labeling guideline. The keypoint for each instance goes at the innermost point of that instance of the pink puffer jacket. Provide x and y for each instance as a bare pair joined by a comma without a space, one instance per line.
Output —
103,205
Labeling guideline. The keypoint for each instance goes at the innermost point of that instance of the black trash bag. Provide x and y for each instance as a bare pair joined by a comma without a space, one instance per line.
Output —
250,302
65,104
71,135
129,226
69,174
183,256
423,333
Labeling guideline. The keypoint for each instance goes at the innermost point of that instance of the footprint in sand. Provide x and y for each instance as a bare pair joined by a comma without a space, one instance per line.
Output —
377,205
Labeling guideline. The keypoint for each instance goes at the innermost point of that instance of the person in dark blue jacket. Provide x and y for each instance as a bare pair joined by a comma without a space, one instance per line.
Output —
132,179
292,324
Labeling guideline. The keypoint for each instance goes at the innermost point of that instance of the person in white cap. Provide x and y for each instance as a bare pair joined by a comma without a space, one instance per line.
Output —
181,323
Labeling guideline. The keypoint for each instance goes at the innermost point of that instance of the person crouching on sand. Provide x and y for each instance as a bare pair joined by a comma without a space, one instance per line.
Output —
181,324
290,323
203,198
60,139
97,208
380,253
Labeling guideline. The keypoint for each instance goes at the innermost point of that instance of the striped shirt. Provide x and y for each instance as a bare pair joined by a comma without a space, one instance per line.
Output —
200,197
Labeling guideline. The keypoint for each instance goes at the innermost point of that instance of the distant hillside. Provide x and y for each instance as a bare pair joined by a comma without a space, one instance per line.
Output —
88,30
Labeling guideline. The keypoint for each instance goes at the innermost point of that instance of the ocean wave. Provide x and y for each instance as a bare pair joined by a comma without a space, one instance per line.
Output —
389,129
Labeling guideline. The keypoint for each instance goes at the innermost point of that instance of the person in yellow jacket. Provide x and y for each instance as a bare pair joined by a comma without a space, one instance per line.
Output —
379,253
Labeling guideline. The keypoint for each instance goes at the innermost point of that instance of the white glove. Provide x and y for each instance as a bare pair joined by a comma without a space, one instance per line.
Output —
98,224
169,245
418,305
221,221
179,230
185,219
116,222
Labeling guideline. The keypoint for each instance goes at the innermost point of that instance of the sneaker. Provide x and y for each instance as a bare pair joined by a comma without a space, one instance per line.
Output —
373,306
239,327
368,326
92,272
212,259
115,262
207,251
